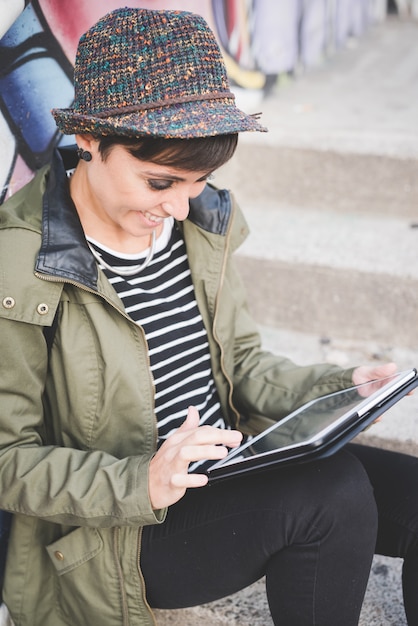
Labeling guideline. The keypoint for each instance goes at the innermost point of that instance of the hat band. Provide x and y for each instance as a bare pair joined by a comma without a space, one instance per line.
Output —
216,95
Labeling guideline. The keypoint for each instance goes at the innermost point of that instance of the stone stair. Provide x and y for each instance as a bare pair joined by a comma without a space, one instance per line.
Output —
334,241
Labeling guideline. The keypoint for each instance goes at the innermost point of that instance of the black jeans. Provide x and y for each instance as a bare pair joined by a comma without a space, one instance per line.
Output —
310,529
395,481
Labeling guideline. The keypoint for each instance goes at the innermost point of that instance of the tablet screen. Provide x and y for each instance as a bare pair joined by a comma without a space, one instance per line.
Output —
310,424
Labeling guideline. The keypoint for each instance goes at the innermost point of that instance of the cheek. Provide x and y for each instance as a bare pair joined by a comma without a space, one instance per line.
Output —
121,190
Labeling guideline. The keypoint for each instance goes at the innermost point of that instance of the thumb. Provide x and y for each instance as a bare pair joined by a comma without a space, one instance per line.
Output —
192,419
366,373
387,369
381,371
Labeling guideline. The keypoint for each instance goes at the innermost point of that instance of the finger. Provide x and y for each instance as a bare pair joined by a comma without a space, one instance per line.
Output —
367,373
381,371
189,454
202,435
188,481
191,421
210,435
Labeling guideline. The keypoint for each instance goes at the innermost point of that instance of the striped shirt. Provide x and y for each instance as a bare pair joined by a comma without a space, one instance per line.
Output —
161,300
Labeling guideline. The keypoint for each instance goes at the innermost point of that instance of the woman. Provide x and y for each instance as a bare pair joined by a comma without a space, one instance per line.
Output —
153,368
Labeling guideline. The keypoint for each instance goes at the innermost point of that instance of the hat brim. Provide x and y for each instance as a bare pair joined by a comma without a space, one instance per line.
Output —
187,120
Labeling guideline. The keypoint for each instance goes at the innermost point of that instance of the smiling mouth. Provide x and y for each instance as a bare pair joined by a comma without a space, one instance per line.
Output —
153,218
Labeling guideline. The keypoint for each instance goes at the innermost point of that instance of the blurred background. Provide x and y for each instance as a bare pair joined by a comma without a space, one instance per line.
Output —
330,192
264,43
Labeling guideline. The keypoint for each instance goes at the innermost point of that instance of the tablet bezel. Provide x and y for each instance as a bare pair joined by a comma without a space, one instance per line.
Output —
327,440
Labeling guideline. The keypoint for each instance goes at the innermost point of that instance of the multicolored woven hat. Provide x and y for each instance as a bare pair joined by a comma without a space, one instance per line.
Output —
160,73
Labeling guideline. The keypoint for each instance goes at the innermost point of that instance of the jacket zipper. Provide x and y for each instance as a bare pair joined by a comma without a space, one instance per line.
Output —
116,546
215,315
141,576
125,608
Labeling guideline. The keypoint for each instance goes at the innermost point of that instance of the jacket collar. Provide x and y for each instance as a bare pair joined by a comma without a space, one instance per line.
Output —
64,252
211,210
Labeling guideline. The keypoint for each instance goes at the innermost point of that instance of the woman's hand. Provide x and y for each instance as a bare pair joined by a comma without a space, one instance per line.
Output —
366,373
168,471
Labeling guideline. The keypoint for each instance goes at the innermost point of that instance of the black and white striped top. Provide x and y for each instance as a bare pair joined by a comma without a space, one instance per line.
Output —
161,299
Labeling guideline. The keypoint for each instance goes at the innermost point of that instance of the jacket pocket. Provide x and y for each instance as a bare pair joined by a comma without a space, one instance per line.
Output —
75,549
87,584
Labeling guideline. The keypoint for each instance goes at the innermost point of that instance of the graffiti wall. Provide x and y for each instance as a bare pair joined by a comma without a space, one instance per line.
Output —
260,40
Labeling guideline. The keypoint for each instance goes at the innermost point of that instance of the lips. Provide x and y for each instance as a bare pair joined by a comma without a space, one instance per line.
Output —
152,218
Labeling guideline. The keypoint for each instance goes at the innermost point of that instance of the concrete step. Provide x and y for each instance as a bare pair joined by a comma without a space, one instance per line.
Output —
362,100
341,182
333,248
333,302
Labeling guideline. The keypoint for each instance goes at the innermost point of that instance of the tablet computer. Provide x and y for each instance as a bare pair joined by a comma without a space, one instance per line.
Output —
316,429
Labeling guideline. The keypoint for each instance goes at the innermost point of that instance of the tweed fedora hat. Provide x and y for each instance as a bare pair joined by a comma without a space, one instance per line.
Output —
142,72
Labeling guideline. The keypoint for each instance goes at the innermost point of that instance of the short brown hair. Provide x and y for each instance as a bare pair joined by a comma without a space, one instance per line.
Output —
199,154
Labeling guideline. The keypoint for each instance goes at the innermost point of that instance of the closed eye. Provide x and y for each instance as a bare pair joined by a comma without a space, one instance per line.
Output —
160,185
157,184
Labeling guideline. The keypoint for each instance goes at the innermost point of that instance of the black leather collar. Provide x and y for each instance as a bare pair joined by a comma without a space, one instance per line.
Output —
64,252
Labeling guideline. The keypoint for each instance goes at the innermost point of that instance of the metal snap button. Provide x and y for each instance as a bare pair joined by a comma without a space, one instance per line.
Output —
42,308
8,302
58,555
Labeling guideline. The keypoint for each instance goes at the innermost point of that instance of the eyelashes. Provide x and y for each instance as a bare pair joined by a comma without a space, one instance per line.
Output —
156,184
160,185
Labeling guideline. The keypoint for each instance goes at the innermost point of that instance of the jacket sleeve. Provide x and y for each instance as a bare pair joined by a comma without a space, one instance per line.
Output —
63,485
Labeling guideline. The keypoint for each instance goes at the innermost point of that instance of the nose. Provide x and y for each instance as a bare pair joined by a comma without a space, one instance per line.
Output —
177,208
177,204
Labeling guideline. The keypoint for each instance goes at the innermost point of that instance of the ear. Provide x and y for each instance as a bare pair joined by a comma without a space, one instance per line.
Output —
87,142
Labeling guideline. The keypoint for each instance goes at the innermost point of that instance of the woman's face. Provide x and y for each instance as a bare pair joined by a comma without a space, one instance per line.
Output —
130,198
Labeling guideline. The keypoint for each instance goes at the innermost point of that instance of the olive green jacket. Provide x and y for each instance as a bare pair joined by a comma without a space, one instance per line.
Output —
77,427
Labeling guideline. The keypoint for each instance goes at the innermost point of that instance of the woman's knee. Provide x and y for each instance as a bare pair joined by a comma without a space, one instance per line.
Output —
331,495
345,485
338,494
